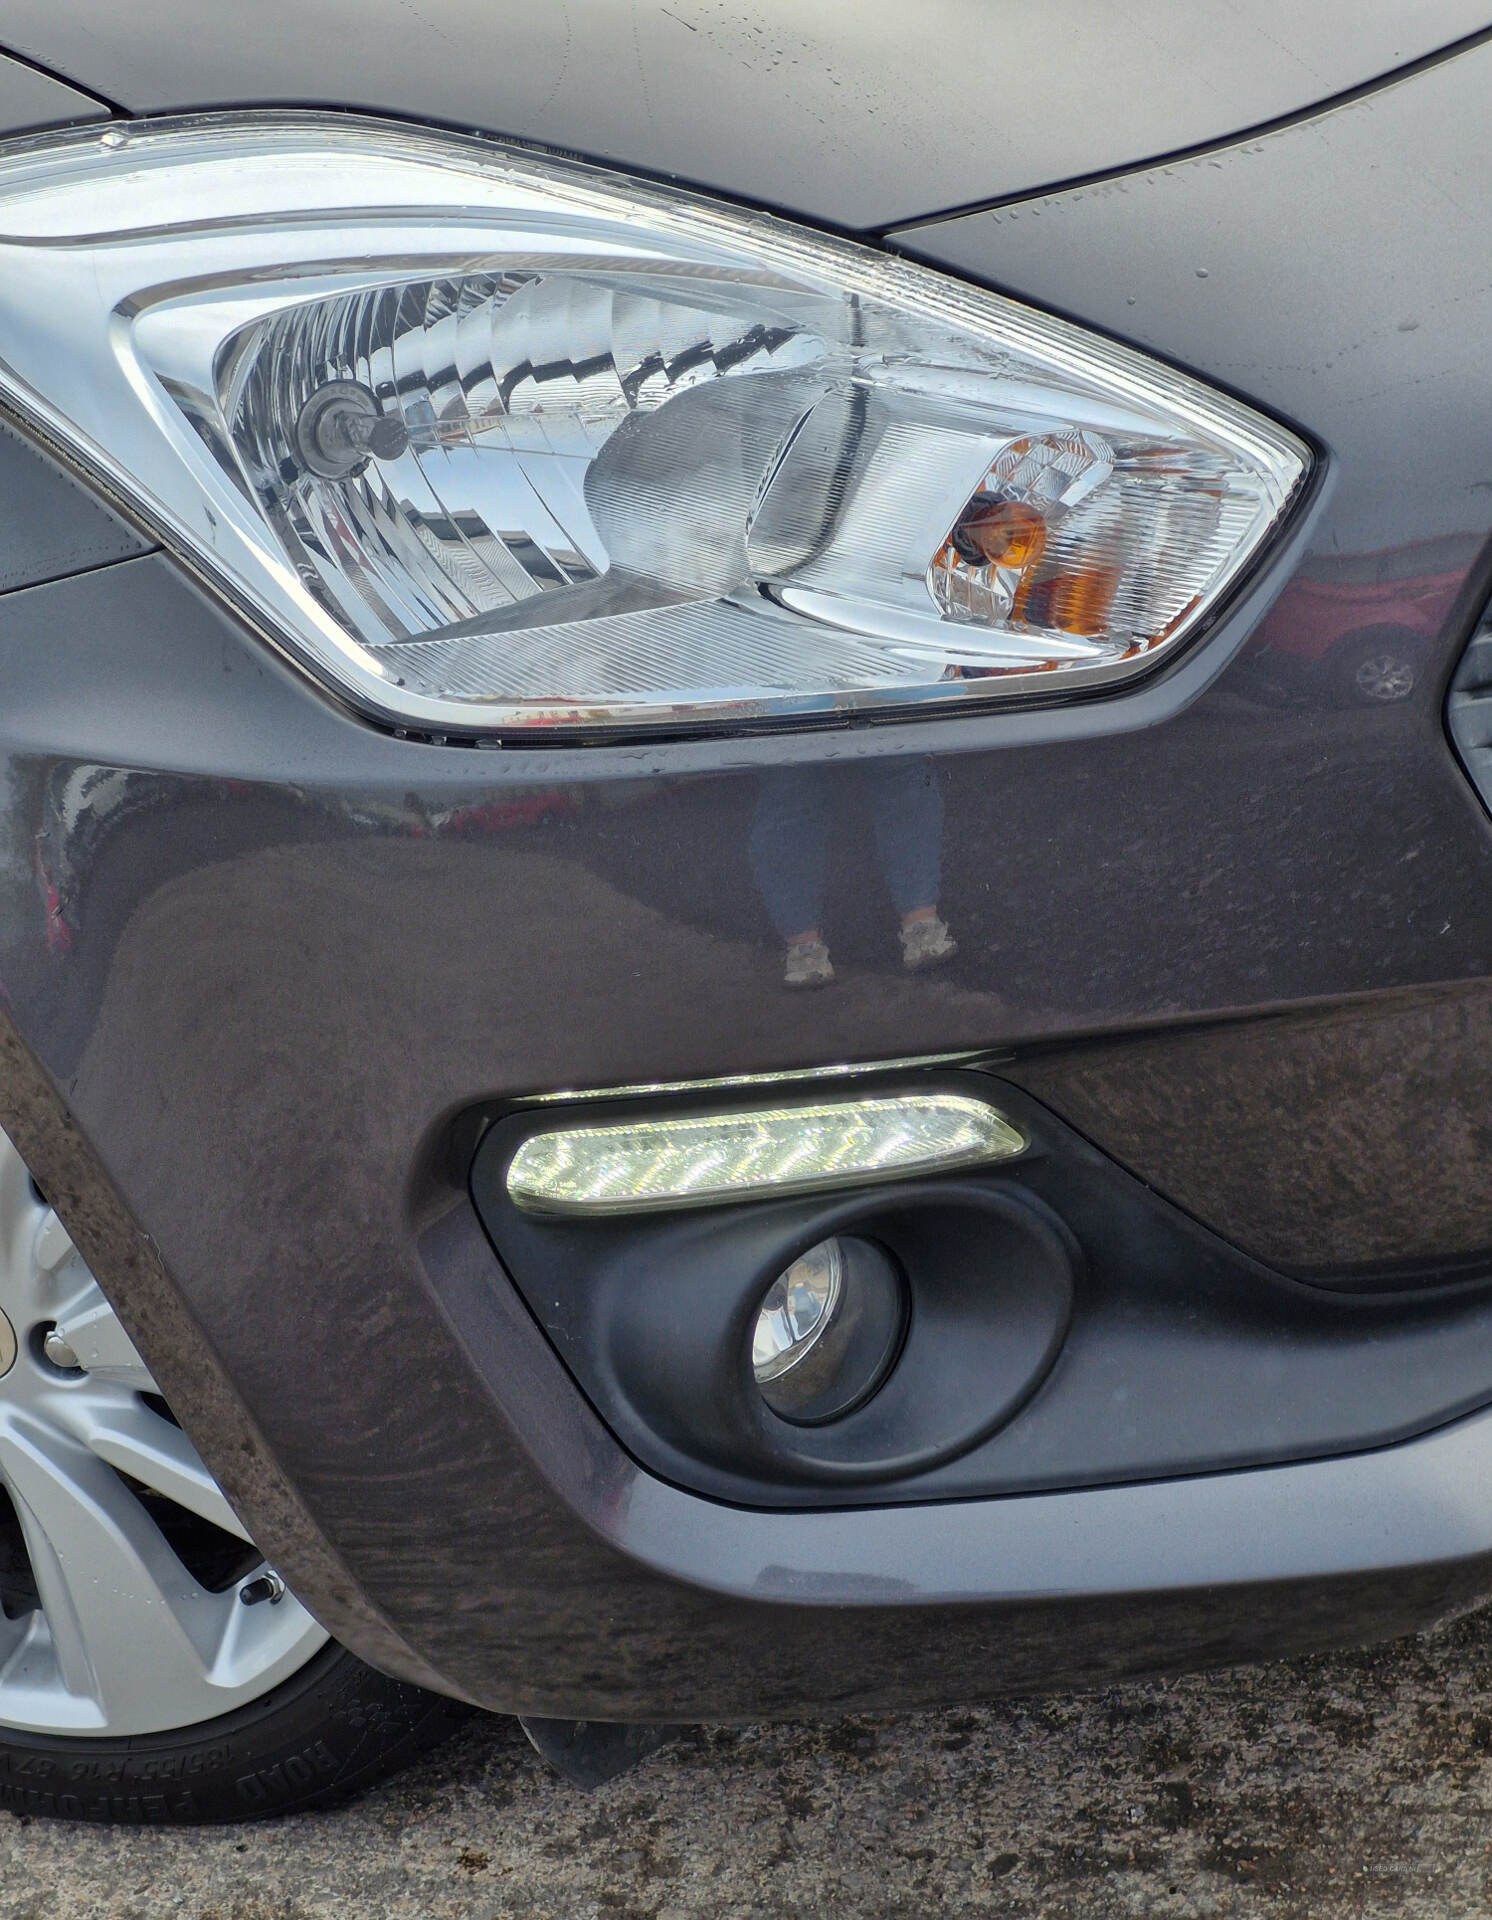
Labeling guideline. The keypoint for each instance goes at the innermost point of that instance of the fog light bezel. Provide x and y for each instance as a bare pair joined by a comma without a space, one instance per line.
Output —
653,1310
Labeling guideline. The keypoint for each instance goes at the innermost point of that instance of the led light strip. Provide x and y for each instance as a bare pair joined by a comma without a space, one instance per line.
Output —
698,1158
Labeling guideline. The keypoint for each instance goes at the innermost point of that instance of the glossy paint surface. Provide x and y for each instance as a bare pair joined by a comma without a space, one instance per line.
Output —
54,524
263,955
858,113
29,98
1372,352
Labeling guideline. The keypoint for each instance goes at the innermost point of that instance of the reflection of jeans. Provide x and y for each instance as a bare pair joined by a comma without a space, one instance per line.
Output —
789,837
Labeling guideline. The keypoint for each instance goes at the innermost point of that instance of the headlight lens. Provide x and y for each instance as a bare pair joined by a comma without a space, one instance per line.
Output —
489,441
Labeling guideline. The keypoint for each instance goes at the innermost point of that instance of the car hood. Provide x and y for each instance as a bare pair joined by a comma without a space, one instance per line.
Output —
861,113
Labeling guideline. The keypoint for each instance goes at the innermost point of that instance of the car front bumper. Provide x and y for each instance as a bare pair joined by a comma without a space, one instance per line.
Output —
258,957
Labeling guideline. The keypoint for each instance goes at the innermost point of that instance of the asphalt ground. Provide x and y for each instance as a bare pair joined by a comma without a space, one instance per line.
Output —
1359,1784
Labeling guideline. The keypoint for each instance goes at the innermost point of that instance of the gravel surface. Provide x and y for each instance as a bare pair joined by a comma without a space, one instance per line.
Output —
1358,1784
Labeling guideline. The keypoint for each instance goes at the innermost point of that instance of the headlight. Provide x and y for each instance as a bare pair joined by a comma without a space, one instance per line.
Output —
491,441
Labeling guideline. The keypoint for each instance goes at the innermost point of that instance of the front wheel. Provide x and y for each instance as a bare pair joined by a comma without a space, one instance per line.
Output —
318,1738
153,1669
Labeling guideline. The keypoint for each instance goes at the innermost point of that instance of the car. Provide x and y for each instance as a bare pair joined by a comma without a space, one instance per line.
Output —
745,879
1366,624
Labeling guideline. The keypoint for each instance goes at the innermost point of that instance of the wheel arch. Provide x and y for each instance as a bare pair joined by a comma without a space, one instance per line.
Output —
129,1269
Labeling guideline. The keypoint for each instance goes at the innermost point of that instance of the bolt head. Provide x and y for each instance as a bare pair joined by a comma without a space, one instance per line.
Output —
57,1350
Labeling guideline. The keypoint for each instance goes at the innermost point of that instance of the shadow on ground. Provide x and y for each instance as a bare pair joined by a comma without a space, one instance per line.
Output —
1354,1785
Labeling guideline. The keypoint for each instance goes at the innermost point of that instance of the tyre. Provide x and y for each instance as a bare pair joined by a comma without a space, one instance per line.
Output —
1381,667
153,1669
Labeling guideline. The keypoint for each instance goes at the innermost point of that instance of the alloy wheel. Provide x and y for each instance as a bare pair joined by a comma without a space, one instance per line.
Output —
131,1600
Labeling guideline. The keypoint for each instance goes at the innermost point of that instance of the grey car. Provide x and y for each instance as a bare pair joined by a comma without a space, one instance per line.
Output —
745,885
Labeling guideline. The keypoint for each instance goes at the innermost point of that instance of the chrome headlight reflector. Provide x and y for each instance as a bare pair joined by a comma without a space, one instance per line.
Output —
489,441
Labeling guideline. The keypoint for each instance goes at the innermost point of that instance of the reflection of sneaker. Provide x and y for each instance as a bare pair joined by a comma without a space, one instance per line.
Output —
926,943
808,965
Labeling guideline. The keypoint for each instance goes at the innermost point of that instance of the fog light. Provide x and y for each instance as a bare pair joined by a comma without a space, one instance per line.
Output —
828,1331
796,1312
691,1159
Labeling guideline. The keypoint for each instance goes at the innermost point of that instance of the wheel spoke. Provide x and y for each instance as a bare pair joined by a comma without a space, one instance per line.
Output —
136,1441
125,1617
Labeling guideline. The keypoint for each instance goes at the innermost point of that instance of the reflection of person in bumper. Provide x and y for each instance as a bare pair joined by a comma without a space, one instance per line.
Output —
789,845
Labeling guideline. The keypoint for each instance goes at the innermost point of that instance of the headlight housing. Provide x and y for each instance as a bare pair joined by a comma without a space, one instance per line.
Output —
489,441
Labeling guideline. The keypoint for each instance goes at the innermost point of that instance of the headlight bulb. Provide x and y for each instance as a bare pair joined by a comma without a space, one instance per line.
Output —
341,427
